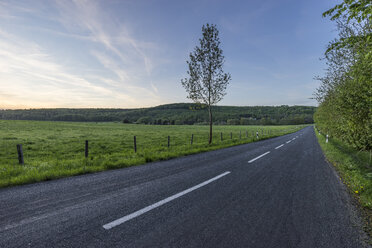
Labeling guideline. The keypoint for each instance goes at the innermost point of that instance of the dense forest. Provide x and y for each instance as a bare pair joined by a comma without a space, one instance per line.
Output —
173,114
345,94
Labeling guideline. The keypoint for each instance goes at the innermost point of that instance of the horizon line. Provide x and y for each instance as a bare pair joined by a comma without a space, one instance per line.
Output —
4,109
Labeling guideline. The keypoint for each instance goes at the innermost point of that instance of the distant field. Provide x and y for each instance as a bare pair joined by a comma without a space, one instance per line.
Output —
56,149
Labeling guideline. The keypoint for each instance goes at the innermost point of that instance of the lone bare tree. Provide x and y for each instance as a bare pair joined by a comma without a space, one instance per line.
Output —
207,81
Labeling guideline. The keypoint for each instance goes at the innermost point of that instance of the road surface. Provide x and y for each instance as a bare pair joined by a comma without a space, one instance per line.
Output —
278,192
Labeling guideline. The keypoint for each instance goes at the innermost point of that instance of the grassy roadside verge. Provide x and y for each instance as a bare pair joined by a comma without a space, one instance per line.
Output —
355,170
56,149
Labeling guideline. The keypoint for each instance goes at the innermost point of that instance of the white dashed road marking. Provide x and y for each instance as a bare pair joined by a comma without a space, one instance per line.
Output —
279,146
159,203
250,161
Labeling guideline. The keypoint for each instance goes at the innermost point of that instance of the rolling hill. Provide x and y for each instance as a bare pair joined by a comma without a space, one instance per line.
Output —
178,113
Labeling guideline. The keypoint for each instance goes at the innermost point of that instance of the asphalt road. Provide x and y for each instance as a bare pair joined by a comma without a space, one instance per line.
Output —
241,196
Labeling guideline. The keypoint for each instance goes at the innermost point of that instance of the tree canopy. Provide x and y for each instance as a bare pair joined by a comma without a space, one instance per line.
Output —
207,81
345,94
178,113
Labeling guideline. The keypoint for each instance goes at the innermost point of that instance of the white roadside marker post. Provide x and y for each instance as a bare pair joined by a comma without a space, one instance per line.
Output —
327,138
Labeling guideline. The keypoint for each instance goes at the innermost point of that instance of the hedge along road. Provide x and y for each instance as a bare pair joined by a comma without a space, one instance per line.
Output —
272,193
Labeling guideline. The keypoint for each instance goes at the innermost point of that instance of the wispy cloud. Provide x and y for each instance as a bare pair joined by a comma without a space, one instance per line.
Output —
88,17
30,76
109,53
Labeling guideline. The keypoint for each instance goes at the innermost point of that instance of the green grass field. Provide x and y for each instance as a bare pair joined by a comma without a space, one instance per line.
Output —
56,149
353,166
355,170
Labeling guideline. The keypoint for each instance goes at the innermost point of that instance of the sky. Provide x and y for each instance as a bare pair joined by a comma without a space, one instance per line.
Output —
132,53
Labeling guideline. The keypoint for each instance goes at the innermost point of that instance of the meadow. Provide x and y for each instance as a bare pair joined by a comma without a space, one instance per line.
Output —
355,170
57,149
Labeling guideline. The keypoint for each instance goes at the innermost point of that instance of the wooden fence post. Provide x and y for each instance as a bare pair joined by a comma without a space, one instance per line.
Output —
240,135
168,141
86,149
135,143
20,154
246,134
192,138
221,137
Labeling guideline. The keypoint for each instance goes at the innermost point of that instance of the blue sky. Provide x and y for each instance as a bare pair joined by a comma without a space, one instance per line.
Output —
132,53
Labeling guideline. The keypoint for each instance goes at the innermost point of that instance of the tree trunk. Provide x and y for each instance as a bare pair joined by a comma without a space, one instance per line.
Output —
210,125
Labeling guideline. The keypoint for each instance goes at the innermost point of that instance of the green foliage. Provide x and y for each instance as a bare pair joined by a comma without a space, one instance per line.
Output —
180,113
56,149
345,96
355,170
358,10
233,122
207,81
353,11
144,120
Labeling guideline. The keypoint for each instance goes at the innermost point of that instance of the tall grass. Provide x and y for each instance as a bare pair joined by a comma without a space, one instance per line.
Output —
56,149
355,170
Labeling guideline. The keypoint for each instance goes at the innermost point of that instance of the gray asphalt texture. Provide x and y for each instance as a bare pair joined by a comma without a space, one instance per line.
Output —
289,198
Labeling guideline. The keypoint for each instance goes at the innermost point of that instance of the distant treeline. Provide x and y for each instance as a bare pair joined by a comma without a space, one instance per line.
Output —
173,114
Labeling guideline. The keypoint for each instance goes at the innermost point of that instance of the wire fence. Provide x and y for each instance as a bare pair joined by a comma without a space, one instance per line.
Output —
55,149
